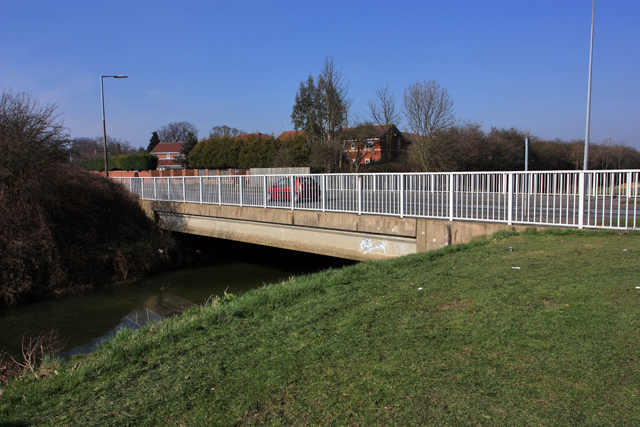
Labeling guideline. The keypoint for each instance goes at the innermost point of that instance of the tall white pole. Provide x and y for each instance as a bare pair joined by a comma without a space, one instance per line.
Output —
586,137
526,154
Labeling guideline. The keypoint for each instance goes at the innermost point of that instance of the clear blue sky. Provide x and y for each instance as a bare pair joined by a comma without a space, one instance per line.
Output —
521,63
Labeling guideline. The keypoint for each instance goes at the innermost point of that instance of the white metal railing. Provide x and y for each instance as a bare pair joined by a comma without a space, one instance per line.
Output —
592,199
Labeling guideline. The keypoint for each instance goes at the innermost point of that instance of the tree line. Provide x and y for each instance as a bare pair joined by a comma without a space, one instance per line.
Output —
254,151
438,140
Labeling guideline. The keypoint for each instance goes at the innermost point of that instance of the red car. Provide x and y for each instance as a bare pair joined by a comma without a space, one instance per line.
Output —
305,188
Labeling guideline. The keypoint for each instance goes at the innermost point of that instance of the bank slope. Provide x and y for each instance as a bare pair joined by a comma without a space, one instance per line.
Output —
532,329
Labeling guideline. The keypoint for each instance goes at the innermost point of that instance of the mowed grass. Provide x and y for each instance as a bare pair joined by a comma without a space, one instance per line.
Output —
454,337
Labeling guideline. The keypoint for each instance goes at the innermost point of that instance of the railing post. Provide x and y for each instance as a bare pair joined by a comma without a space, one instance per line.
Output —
142,188
291,185
402,176
264,191
184,190
359,194
201,190
241,190
451,196
581,194
219,189
168,188
155,188
510,200
324,192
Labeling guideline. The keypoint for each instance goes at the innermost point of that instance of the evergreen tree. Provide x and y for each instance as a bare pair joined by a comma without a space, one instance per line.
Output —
183,157
321,110
155,140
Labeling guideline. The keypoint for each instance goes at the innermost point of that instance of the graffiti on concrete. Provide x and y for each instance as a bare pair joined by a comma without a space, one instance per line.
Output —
366,245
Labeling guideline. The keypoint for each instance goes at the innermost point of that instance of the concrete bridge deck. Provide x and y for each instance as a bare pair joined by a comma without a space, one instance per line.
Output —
344,235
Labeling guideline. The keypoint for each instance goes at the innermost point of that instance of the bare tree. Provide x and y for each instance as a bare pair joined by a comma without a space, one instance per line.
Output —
177,132
84,148
31,137
321,110
428,109
334,101
382,111
224,131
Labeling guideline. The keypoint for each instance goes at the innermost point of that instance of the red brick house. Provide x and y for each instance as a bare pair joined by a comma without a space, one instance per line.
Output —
166,152
290,134
368,143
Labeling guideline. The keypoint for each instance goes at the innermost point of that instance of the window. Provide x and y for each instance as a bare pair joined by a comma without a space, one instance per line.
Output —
353,145
368,144
367,161
168,156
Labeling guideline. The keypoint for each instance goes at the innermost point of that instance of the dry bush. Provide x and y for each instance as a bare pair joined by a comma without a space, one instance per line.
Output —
62,229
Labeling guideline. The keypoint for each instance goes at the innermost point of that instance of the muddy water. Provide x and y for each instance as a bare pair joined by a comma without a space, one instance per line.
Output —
86,320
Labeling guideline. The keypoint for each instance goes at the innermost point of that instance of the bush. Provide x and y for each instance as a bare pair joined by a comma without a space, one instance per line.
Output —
62,229
130,162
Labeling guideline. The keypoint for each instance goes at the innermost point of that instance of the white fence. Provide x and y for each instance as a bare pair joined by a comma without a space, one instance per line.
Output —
593,199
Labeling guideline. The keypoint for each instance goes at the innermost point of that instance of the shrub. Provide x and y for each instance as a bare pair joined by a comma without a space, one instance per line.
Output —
62,229
130,162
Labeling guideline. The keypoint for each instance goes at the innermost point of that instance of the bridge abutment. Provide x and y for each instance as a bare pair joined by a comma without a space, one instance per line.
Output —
344,235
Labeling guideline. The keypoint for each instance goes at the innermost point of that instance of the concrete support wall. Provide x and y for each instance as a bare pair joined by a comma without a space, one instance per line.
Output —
352,236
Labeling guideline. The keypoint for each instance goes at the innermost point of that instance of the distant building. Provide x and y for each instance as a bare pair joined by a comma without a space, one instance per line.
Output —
166,152
368,143
290,134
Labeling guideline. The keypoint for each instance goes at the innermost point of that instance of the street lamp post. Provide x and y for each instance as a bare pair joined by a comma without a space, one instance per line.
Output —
104,123
586,137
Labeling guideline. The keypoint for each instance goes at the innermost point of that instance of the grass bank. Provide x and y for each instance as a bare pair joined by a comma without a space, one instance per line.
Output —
547,333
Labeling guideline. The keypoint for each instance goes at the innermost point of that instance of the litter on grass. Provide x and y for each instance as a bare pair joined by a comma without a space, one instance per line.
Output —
515,268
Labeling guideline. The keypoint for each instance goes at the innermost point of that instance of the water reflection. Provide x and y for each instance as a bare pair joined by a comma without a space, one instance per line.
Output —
86,320
154,309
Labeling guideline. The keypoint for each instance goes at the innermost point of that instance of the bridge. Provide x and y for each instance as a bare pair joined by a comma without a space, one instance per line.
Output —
377,216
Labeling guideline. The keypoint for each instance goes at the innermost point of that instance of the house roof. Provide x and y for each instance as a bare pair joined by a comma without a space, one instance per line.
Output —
411,137
167,147
289,134
246,136
378,130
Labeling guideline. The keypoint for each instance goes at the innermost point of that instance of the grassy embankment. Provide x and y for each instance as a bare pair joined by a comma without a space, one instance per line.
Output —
453,337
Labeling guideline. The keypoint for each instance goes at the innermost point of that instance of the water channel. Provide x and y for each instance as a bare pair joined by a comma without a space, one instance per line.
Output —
86,320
